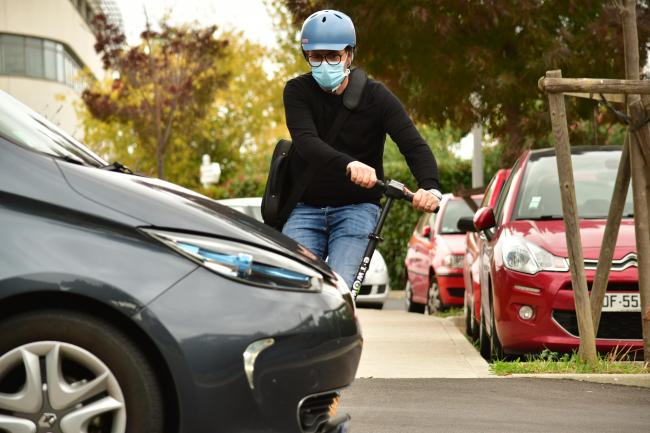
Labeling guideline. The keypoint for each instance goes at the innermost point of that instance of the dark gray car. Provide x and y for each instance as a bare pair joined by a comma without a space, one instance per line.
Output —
129,304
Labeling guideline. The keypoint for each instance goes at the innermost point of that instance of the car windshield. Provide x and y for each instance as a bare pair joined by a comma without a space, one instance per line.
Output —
454,210
594,172
24,127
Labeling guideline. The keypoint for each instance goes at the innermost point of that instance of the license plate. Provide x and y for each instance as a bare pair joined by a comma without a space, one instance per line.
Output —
622,302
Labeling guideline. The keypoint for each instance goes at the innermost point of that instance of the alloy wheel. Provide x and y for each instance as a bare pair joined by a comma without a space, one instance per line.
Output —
434,303
56,387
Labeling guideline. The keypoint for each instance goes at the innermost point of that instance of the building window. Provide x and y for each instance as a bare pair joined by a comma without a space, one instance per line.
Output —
40,58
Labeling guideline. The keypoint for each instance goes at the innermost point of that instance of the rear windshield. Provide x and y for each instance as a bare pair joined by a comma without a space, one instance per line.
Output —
24,127
454,210
594,172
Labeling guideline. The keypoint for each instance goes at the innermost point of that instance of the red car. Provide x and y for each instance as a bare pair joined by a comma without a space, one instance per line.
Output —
526,293
434,260
471,263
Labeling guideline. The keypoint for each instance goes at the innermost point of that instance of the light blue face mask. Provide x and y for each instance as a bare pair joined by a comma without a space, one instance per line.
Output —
330,77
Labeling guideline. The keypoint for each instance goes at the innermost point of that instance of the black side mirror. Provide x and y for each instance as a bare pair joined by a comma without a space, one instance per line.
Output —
466,224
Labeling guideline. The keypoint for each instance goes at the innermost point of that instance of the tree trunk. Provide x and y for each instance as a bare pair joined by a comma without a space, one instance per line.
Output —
515,144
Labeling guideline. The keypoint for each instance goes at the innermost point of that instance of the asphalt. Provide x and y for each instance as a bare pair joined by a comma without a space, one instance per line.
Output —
419,374
494,405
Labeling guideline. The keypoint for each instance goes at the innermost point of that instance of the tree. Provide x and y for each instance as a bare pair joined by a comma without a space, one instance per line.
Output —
439,55
236,125
163,85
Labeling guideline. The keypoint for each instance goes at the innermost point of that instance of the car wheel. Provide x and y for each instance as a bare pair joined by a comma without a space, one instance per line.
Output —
484,340
468,322
496,350
411,306
434,302
72,373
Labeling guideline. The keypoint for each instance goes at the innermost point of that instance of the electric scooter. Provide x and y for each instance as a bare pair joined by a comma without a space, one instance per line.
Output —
393,190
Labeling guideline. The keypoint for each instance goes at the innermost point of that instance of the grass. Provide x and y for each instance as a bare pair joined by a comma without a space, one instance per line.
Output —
617,361
450,312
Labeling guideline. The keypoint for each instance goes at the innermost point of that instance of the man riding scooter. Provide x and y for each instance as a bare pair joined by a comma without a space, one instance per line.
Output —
339,204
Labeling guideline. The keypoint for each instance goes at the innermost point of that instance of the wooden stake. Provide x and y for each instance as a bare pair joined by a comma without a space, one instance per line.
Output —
595,85
640,183
572,225
619,194
639,139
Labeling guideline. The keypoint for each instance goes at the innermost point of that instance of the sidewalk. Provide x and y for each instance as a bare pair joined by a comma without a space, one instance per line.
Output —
406,345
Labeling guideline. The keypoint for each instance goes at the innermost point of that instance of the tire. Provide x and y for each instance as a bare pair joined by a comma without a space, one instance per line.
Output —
411,306
82,348
434,302
496,349
469,331
484,340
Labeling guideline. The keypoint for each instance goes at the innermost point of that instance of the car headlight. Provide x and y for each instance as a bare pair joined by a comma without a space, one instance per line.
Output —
522,256
453,261
242,262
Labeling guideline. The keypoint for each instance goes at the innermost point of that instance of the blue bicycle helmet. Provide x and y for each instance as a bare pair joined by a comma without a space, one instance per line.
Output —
328,30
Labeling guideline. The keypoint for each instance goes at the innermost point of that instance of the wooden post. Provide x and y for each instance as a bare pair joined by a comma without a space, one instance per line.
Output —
599,287
640,165
619,194
595,85
572,226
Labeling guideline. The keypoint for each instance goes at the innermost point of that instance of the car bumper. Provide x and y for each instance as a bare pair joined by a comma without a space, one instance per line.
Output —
452,288
374,290
553,325
206,325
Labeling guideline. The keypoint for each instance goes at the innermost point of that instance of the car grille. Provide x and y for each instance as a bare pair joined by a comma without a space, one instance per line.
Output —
456,292
314,411
611,287
365,290
613,325
617,265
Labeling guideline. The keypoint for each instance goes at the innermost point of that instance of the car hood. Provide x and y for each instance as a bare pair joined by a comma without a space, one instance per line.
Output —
454,244
165,205
550,235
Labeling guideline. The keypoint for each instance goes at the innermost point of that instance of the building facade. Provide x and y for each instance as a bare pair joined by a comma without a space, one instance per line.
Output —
44,47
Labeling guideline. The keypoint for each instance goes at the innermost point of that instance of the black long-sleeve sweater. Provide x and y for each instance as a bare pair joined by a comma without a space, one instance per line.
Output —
310,112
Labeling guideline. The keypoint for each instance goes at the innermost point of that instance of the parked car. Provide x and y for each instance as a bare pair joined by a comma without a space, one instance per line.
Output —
471,264
526,293
130,304
375,288
434,258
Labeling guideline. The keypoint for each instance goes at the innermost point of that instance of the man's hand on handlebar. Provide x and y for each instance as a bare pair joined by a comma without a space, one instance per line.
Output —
362,174
424,201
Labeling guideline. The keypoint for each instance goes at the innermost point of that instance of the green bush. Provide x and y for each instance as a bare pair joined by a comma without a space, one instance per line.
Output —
402,218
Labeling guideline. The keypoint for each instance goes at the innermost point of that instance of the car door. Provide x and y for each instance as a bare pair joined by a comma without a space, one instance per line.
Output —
489,237
418,258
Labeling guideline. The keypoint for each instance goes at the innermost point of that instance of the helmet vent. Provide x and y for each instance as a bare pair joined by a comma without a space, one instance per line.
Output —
338,16
324,19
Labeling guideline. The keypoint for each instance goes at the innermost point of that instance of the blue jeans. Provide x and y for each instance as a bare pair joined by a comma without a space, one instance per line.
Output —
338,232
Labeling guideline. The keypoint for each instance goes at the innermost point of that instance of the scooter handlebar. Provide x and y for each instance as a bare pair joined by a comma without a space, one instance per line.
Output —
395,189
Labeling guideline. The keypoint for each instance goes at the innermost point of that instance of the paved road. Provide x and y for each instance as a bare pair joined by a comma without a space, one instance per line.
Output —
419,374
495,405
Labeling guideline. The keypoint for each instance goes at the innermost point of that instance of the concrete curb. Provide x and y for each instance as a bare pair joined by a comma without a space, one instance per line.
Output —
638,380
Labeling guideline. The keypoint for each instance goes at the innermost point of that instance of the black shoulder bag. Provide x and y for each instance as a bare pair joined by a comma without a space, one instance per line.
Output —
283,191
